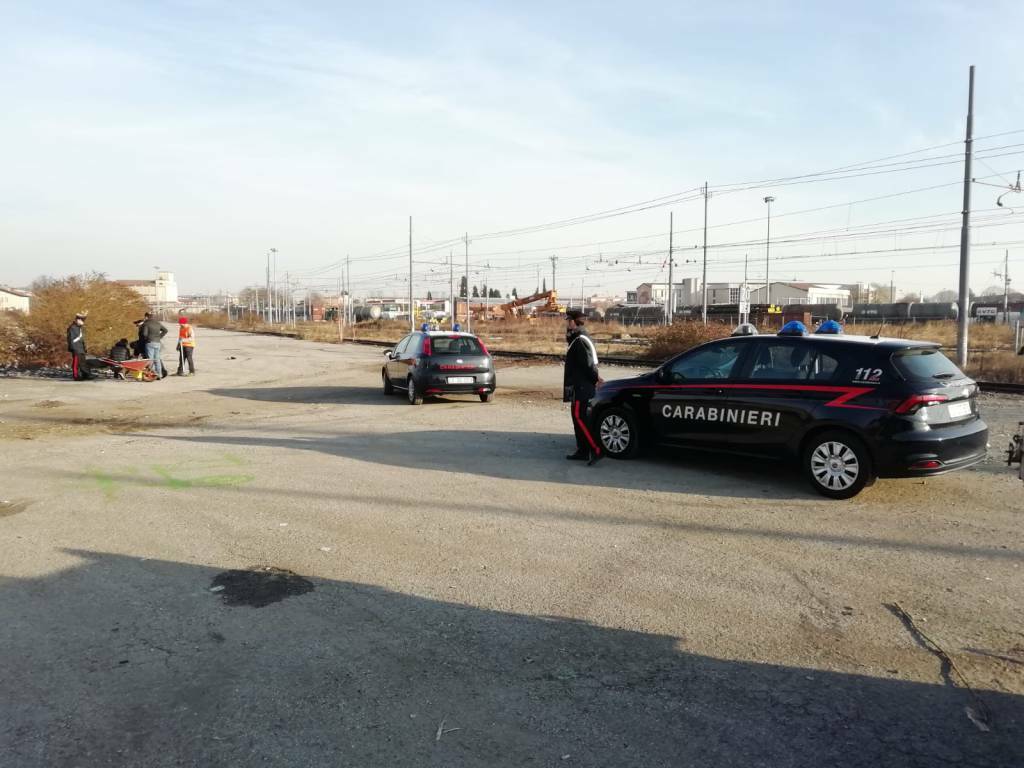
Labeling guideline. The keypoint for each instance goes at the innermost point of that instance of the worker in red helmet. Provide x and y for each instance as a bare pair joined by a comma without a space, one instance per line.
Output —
186,347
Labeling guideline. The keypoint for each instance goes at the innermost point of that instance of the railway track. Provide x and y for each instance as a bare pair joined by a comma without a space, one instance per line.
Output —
632,362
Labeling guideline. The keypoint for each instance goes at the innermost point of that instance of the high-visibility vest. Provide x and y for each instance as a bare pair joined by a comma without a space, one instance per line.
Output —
186,336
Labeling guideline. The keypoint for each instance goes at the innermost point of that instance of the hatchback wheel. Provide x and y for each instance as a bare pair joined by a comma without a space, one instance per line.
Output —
837,464
415,398
486,397
618,433
389,388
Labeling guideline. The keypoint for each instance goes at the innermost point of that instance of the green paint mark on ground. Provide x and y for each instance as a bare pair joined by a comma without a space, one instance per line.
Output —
106,483
179,476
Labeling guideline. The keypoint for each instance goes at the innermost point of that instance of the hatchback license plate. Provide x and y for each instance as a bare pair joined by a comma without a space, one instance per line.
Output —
956,410
460,379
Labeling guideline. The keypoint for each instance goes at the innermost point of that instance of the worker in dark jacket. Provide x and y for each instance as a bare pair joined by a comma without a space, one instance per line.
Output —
580,382
139,345
119,353
76,346
153,332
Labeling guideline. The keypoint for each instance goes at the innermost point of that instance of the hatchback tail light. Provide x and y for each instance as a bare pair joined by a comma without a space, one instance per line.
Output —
483,347
915,402
427,348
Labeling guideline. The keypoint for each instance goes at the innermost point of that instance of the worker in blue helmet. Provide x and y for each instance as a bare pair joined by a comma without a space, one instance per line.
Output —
793,328
830,326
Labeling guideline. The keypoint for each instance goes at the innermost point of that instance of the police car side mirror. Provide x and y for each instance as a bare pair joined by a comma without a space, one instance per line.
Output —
388,353
662,374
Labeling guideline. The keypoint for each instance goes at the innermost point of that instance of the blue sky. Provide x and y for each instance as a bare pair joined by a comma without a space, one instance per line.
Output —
195,136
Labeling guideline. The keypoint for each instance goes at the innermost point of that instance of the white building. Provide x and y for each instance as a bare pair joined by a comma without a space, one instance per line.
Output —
724,293
686,292
161,292
801,293
14,300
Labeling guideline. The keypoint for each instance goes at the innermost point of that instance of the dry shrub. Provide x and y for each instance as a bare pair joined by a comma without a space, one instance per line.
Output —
15,346
111,308
981,335
672,339
1002,367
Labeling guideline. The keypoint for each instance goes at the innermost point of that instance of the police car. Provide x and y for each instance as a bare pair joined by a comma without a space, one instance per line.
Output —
848,409
430,362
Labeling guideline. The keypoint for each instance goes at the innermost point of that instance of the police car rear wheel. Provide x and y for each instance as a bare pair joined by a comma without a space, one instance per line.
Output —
415,398
837,464
617,431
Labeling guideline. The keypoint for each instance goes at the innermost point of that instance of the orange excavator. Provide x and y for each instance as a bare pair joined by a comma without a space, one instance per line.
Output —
531,306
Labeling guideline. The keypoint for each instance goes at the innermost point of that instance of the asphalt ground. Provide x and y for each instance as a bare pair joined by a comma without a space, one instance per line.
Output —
274,564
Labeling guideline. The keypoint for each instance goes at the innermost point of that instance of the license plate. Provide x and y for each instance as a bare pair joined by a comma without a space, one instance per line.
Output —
460,379
956,410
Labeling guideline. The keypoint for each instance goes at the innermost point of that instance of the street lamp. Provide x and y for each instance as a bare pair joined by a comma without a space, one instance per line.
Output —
767,246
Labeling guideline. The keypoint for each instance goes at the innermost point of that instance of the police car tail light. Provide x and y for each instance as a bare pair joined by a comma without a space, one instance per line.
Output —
915,402
427,347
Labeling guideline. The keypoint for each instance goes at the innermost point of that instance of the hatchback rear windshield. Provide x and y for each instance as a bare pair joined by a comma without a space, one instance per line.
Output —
925,365
455,345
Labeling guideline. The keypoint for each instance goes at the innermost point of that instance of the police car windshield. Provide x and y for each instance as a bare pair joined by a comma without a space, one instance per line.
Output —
925,365
455,345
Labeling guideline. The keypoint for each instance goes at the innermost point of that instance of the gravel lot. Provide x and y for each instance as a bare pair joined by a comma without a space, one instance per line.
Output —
446,590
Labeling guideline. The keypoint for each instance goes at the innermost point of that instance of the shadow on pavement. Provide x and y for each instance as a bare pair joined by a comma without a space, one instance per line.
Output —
136,662
533,456
339,395
668,519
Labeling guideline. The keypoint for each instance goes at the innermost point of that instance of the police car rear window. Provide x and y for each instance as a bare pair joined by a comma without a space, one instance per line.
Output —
925,364
455,345
799,362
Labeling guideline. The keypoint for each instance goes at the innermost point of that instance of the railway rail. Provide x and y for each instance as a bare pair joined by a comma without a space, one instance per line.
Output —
632,362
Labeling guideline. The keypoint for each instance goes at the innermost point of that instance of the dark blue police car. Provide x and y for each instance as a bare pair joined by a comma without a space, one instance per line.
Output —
847,408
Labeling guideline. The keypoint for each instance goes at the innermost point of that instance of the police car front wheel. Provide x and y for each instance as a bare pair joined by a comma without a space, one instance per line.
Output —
618,433
837,464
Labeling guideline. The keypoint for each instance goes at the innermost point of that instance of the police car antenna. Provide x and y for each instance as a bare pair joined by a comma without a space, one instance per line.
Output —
877,333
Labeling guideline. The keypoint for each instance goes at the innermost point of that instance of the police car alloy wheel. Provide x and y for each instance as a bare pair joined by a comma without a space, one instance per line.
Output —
415,398
837,464
389,388
617,431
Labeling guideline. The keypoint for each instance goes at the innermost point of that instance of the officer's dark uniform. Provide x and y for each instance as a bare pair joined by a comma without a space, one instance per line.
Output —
76,346
580,384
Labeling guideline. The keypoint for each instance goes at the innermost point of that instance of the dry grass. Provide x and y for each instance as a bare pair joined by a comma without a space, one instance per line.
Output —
671,340
992,355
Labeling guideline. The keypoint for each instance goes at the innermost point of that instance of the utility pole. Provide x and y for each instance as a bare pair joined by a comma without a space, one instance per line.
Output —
469,315
275,309
965,233
767,247
268,302
412,313
554,262
892,285
668,301
704,278
340,318
289,308
1005,277
744,294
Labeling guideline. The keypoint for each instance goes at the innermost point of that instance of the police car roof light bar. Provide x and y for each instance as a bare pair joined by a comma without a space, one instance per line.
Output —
793,328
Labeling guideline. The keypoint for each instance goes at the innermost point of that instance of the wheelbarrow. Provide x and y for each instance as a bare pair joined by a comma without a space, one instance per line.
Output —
138,370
